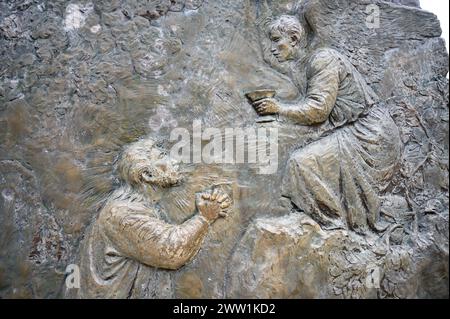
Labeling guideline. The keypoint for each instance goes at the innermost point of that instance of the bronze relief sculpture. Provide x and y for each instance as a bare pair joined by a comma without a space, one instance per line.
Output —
354,93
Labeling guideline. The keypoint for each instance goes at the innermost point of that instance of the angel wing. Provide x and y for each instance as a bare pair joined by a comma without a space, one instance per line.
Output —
368,31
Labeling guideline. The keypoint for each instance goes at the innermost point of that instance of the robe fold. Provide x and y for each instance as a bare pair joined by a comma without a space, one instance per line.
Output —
130,251
337,179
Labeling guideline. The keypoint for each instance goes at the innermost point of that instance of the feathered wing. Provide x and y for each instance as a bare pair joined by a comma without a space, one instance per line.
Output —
366,30
405,61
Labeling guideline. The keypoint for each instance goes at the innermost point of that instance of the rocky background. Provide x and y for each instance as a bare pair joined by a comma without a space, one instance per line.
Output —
80,79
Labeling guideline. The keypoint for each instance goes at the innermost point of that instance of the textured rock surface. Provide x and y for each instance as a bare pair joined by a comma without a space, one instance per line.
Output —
81,79
291,257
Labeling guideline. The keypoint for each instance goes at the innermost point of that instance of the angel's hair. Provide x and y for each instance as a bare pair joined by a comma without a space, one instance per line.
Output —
290,25
134,160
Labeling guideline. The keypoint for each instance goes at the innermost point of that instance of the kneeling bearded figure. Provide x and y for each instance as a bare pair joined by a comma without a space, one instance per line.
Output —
130,249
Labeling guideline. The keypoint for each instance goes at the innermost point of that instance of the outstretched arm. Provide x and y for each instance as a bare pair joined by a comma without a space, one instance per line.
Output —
316,106
323,86
138,235
152,241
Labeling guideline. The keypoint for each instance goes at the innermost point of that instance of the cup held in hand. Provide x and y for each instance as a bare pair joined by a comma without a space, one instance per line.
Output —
259,95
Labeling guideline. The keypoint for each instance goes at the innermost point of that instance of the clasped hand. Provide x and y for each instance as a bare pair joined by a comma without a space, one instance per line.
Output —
213,204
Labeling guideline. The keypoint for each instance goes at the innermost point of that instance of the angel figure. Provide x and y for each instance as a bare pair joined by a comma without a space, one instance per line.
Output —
335,179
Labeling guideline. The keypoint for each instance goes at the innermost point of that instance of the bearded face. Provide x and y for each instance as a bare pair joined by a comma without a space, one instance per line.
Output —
142,163
161,170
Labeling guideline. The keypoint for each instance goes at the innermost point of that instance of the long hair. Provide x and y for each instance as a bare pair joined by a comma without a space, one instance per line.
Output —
134,160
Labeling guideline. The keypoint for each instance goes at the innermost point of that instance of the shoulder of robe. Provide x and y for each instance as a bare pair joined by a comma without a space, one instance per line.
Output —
324,58
114,209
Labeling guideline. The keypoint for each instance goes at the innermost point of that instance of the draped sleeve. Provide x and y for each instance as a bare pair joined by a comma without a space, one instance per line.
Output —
322,91
152,241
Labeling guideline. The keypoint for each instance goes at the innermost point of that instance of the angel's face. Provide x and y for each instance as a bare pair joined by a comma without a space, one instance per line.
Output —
283,46
161,170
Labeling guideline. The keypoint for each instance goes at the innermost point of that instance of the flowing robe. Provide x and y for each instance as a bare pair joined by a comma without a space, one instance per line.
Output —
337,179
129,252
